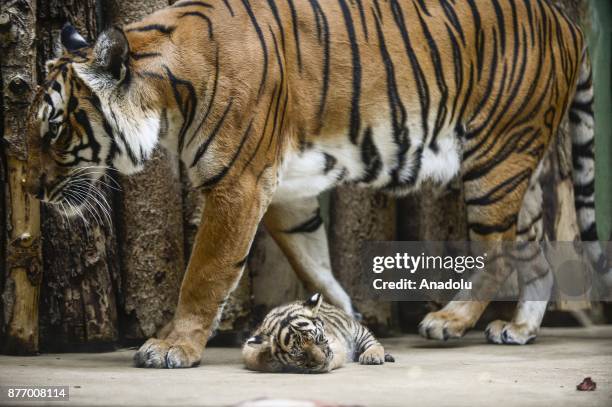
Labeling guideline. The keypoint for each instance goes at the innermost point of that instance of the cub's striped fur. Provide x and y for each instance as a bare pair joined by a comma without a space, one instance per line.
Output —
310,337
270,102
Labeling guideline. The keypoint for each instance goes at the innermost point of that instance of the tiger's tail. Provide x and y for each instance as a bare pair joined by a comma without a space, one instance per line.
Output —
582,130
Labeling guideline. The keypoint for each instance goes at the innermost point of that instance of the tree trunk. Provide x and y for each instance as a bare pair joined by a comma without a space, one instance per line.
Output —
23,270
272,278
358,216
150,224
78,307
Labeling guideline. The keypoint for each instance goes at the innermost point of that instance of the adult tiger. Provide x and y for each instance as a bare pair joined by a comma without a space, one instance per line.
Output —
268,103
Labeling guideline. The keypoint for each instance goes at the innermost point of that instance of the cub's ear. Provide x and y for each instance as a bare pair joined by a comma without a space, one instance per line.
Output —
71,40
111,53
314,303
257,341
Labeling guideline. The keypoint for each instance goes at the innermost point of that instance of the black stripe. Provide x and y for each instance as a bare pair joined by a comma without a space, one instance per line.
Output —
362,17
263,133
309,226
330,163
584,107
167,30
484,229
458,71
590,234
278,20
191,3
517,42
587,189
531,224
452,17
439,72
212,99
396,108
326,60
201,16
56,86
501,25
187,107
229,7
370,157
262,42
504,152
282,87
580,204
424,7
585,150
501,190
143,55
355,119
479,37
296,33
202,149
527,4
210,182
419,77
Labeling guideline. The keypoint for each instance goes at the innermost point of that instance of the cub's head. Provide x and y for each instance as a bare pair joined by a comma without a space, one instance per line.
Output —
291,339
70,140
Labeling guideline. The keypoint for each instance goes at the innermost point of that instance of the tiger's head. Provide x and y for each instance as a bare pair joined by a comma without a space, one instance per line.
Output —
77,125
297,343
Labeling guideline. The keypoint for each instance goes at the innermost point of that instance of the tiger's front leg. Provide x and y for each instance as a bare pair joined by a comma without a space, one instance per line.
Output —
227,228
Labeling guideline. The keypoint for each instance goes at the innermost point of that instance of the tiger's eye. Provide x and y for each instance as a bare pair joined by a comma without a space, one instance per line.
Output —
53,128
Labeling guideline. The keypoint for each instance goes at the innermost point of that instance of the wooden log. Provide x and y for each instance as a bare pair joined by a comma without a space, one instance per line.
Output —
358,216
81,280
430,214
22,270
272,278
150,223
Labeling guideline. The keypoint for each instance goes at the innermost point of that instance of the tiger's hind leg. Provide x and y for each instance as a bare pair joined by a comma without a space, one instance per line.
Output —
493,199
534,276
298,229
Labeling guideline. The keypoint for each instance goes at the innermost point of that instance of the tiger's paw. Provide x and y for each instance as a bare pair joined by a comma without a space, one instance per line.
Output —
443,325
373,356
509,333
165,354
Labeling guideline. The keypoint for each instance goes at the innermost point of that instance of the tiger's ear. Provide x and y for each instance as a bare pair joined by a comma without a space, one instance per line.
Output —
111,53
71,40
257,341
314,303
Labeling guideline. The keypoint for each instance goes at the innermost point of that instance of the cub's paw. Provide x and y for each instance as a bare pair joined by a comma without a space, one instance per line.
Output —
159,353
509,333
443,325
389,358
373,356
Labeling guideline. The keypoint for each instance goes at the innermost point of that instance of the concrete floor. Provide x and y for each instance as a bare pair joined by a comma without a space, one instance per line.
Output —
467,372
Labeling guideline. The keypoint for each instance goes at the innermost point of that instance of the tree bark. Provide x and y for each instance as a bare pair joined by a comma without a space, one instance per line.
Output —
272,278
23,271
150,224
358,216
78,307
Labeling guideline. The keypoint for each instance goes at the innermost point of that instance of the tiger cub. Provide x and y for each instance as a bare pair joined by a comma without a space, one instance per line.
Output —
310,337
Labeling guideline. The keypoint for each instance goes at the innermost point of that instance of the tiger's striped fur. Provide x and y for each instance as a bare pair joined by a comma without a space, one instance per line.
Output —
310,337
268,103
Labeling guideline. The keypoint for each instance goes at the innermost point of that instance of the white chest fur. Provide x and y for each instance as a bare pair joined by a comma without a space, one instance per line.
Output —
330,162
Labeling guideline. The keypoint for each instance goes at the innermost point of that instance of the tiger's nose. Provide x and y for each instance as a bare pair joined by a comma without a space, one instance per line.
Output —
36,186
